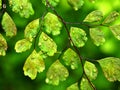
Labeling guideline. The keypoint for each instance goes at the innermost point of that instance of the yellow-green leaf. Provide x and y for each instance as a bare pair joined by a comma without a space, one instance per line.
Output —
22,45
33,64
56,73
78,36
116,31
70,58
97,36
54,3
51,24
73,87
94,16
90,70
8,25
23,7
47,45
75,4
3,45
111,17
0,4
111,68
31,30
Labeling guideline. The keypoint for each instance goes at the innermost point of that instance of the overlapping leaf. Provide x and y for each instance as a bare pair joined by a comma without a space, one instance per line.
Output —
54,3
90,70
111,17
52,25
71,58
47,45
94,16
73,87
22,45
31,30
23,7
78,36
33,64
97,36
111,68
76,4
3,46
0,4
116,31
8,25
56,73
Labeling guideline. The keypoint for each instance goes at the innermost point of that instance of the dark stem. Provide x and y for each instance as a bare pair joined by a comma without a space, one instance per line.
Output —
70,41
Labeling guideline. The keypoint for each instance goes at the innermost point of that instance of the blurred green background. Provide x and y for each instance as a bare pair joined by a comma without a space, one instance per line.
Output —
11,65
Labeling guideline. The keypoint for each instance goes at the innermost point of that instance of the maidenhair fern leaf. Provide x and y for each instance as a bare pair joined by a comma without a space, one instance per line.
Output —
78,36
47,45
23,7
56,73
52,24
3,46
85,85
31,30
33,64
111,17
22,45
54,3
73,87
116,31
8,25
111,68
90,70
0,4
76,4
94,16
71,58
97,36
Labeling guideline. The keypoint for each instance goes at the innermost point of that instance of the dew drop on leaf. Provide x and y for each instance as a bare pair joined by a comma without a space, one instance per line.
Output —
94,16
111,68
75,4
22,45
8,25
116,31
47,45
73,87
33,64
97,36
51,24
31,30
23,7
54,3
3,45
70,58
56,73
78,36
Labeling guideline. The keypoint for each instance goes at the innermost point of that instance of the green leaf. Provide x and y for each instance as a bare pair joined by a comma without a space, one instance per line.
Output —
111,17
73,87
94,16
23,7
8,25
92,1
116,31
22,45
56,73
76,4
33,64
85,85
78,36
90,70
52,25
70,58
111,68
54,3
47,45
97,36
31,30
0,4
3,45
